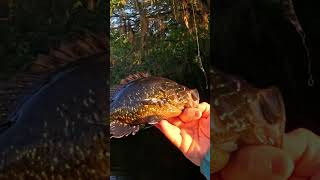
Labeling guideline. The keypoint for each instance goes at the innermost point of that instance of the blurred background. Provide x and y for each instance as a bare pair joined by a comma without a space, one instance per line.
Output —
257,41
27,28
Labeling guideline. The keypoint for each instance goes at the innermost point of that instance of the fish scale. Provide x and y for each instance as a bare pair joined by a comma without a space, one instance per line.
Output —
58,135
242,115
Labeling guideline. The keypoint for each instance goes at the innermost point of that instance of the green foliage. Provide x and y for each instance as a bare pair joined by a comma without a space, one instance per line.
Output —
113,5
172,56
167,49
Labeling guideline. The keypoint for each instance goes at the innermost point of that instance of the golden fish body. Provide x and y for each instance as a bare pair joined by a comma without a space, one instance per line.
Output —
147,100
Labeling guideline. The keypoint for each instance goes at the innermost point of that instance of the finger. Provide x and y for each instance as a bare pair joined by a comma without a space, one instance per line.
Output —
190,114
204,124
205,109
176,121
258,162
171,132
304,147
186,141
316,177
297,178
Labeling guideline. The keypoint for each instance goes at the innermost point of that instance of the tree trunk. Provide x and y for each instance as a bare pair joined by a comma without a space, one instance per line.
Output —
92,5
144,23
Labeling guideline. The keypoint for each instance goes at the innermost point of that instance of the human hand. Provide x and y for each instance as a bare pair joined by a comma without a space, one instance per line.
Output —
190,132
299,159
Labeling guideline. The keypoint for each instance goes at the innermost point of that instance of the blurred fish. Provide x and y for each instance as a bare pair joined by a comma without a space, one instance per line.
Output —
242,115
50,111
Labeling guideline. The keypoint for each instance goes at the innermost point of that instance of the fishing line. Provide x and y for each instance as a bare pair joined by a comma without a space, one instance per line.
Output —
308,57
310,79
198,57
293,19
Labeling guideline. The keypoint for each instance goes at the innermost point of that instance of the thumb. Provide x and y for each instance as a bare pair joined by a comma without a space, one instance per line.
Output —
259,162
303,146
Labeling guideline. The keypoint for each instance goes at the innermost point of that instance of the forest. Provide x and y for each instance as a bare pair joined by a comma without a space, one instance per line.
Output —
166,38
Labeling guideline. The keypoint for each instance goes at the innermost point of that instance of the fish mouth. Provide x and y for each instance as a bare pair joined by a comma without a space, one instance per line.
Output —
194,98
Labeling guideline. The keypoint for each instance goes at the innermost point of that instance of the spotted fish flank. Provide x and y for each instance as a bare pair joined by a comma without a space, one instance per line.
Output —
242,115
53,130
143,99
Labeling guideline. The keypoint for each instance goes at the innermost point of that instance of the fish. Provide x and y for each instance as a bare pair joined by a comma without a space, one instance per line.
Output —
242,115
52,113
143,100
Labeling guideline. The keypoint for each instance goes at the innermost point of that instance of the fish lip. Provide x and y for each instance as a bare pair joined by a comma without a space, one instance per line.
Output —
194,99
195,95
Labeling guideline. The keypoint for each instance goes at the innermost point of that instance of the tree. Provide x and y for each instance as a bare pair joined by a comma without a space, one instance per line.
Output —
159,37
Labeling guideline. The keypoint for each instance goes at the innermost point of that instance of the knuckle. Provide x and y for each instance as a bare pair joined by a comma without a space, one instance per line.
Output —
303,132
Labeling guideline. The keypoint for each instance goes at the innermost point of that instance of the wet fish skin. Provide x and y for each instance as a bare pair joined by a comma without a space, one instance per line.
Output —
146,101
55,135
243,115
54,113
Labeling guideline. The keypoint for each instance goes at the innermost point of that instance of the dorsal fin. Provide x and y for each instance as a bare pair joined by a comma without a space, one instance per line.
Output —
125,81
78,46
134,77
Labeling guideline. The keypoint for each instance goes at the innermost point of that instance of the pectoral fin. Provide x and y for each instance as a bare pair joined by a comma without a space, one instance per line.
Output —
119,130
152,120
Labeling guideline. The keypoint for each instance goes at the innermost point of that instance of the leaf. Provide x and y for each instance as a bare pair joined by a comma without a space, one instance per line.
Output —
77,5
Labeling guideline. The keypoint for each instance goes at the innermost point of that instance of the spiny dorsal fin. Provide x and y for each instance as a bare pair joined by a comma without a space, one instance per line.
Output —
133,77
79,46
124,82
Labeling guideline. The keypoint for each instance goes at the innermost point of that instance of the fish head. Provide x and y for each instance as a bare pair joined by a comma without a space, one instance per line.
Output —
243,115
193,98
169,99
182,97
268,113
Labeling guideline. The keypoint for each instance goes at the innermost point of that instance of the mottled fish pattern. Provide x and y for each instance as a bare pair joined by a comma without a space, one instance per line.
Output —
54,111
242,115
143,99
